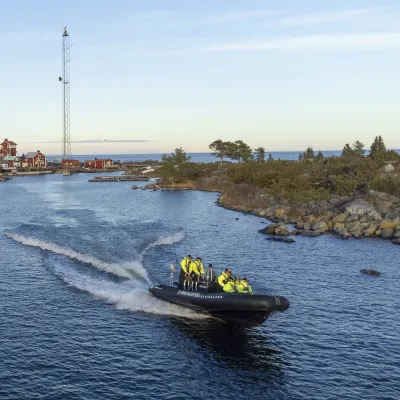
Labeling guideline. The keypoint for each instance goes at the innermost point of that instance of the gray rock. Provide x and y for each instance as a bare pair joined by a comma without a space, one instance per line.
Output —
383,207
353,226
387,233
356,234
373,195
341,217
351,218
387,169
282,230
372,272
370,230
261,213
307,226
294,232
396,241
309,233
397,232
320,226
300,224
360,207
345,235
338,227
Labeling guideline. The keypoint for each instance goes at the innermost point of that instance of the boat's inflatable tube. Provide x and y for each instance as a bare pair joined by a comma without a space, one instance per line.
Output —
242,309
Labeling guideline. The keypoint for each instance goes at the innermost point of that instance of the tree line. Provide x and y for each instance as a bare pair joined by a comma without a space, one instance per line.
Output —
237,151
378,151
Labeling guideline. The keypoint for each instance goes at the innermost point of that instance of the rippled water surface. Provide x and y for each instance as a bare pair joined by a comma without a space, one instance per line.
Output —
76,321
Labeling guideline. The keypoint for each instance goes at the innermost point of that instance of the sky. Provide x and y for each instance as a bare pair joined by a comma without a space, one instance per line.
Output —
150,76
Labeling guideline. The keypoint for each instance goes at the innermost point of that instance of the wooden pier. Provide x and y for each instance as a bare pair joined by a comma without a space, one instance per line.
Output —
120,178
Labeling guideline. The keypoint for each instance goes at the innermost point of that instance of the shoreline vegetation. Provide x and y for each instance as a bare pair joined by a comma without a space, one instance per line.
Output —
353,195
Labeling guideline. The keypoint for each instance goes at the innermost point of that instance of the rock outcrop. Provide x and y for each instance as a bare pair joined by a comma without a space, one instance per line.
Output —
372,272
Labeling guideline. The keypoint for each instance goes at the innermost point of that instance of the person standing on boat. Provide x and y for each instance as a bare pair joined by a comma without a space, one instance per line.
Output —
244,287
196,271
184,273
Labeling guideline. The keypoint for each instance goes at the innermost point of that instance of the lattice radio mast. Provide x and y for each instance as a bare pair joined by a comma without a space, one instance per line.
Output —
65,79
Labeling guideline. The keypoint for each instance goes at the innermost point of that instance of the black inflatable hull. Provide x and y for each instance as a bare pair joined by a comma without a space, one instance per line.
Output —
234,308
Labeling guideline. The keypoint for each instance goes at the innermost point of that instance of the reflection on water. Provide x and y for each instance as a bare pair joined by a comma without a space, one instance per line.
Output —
234,348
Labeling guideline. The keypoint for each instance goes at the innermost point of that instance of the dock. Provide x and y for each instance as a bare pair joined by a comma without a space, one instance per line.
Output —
120,178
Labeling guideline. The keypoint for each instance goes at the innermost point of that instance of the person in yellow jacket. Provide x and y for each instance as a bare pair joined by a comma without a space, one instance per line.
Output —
244,286
184,276
196,271
229,287
224,277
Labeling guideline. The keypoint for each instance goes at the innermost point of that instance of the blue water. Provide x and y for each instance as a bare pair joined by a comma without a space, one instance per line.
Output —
76,321
195,157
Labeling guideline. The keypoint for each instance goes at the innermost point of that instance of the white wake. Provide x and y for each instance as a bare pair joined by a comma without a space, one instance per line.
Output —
129,295
125,270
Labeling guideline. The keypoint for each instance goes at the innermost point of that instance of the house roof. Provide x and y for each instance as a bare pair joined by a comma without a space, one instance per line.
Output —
10,158
32,154
10,142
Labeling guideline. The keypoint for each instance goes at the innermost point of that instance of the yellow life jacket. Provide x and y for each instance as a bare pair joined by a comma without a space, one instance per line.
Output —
185,263
196,267
244,287
229,287
222,279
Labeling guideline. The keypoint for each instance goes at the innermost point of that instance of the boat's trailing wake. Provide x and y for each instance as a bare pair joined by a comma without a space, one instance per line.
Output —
124,270
131,294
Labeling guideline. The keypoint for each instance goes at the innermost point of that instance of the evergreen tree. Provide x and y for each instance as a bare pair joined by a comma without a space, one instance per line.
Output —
378,149
239,151
176,165
319,155
260,154
347,151
301,157
270,158
219,149
358,148
309,154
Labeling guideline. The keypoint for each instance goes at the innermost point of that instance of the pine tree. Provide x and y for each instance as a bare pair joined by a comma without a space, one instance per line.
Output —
378,149
358,148
347,151
260,154
270,158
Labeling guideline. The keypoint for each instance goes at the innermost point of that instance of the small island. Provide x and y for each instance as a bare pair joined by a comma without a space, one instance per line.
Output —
353,195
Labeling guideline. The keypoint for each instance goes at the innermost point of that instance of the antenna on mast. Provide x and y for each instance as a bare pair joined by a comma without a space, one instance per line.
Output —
65,80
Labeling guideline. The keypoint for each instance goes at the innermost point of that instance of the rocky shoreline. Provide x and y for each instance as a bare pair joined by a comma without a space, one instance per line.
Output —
371,214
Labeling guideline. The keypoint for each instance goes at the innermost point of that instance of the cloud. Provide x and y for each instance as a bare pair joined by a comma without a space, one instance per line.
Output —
362,42
326,17
101,141
164,18
14,38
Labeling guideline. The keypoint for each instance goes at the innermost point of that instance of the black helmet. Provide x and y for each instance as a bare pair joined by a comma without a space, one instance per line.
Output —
210,266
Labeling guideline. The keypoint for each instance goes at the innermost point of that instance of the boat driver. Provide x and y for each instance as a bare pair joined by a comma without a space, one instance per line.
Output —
184,276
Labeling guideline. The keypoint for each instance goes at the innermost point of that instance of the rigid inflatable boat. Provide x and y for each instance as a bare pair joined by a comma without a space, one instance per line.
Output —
235,308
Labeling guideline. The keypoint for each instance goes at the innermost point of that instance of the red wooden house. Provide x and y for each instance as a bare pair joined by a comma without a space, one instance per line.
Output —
9,147
71,163
98,163
35,160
